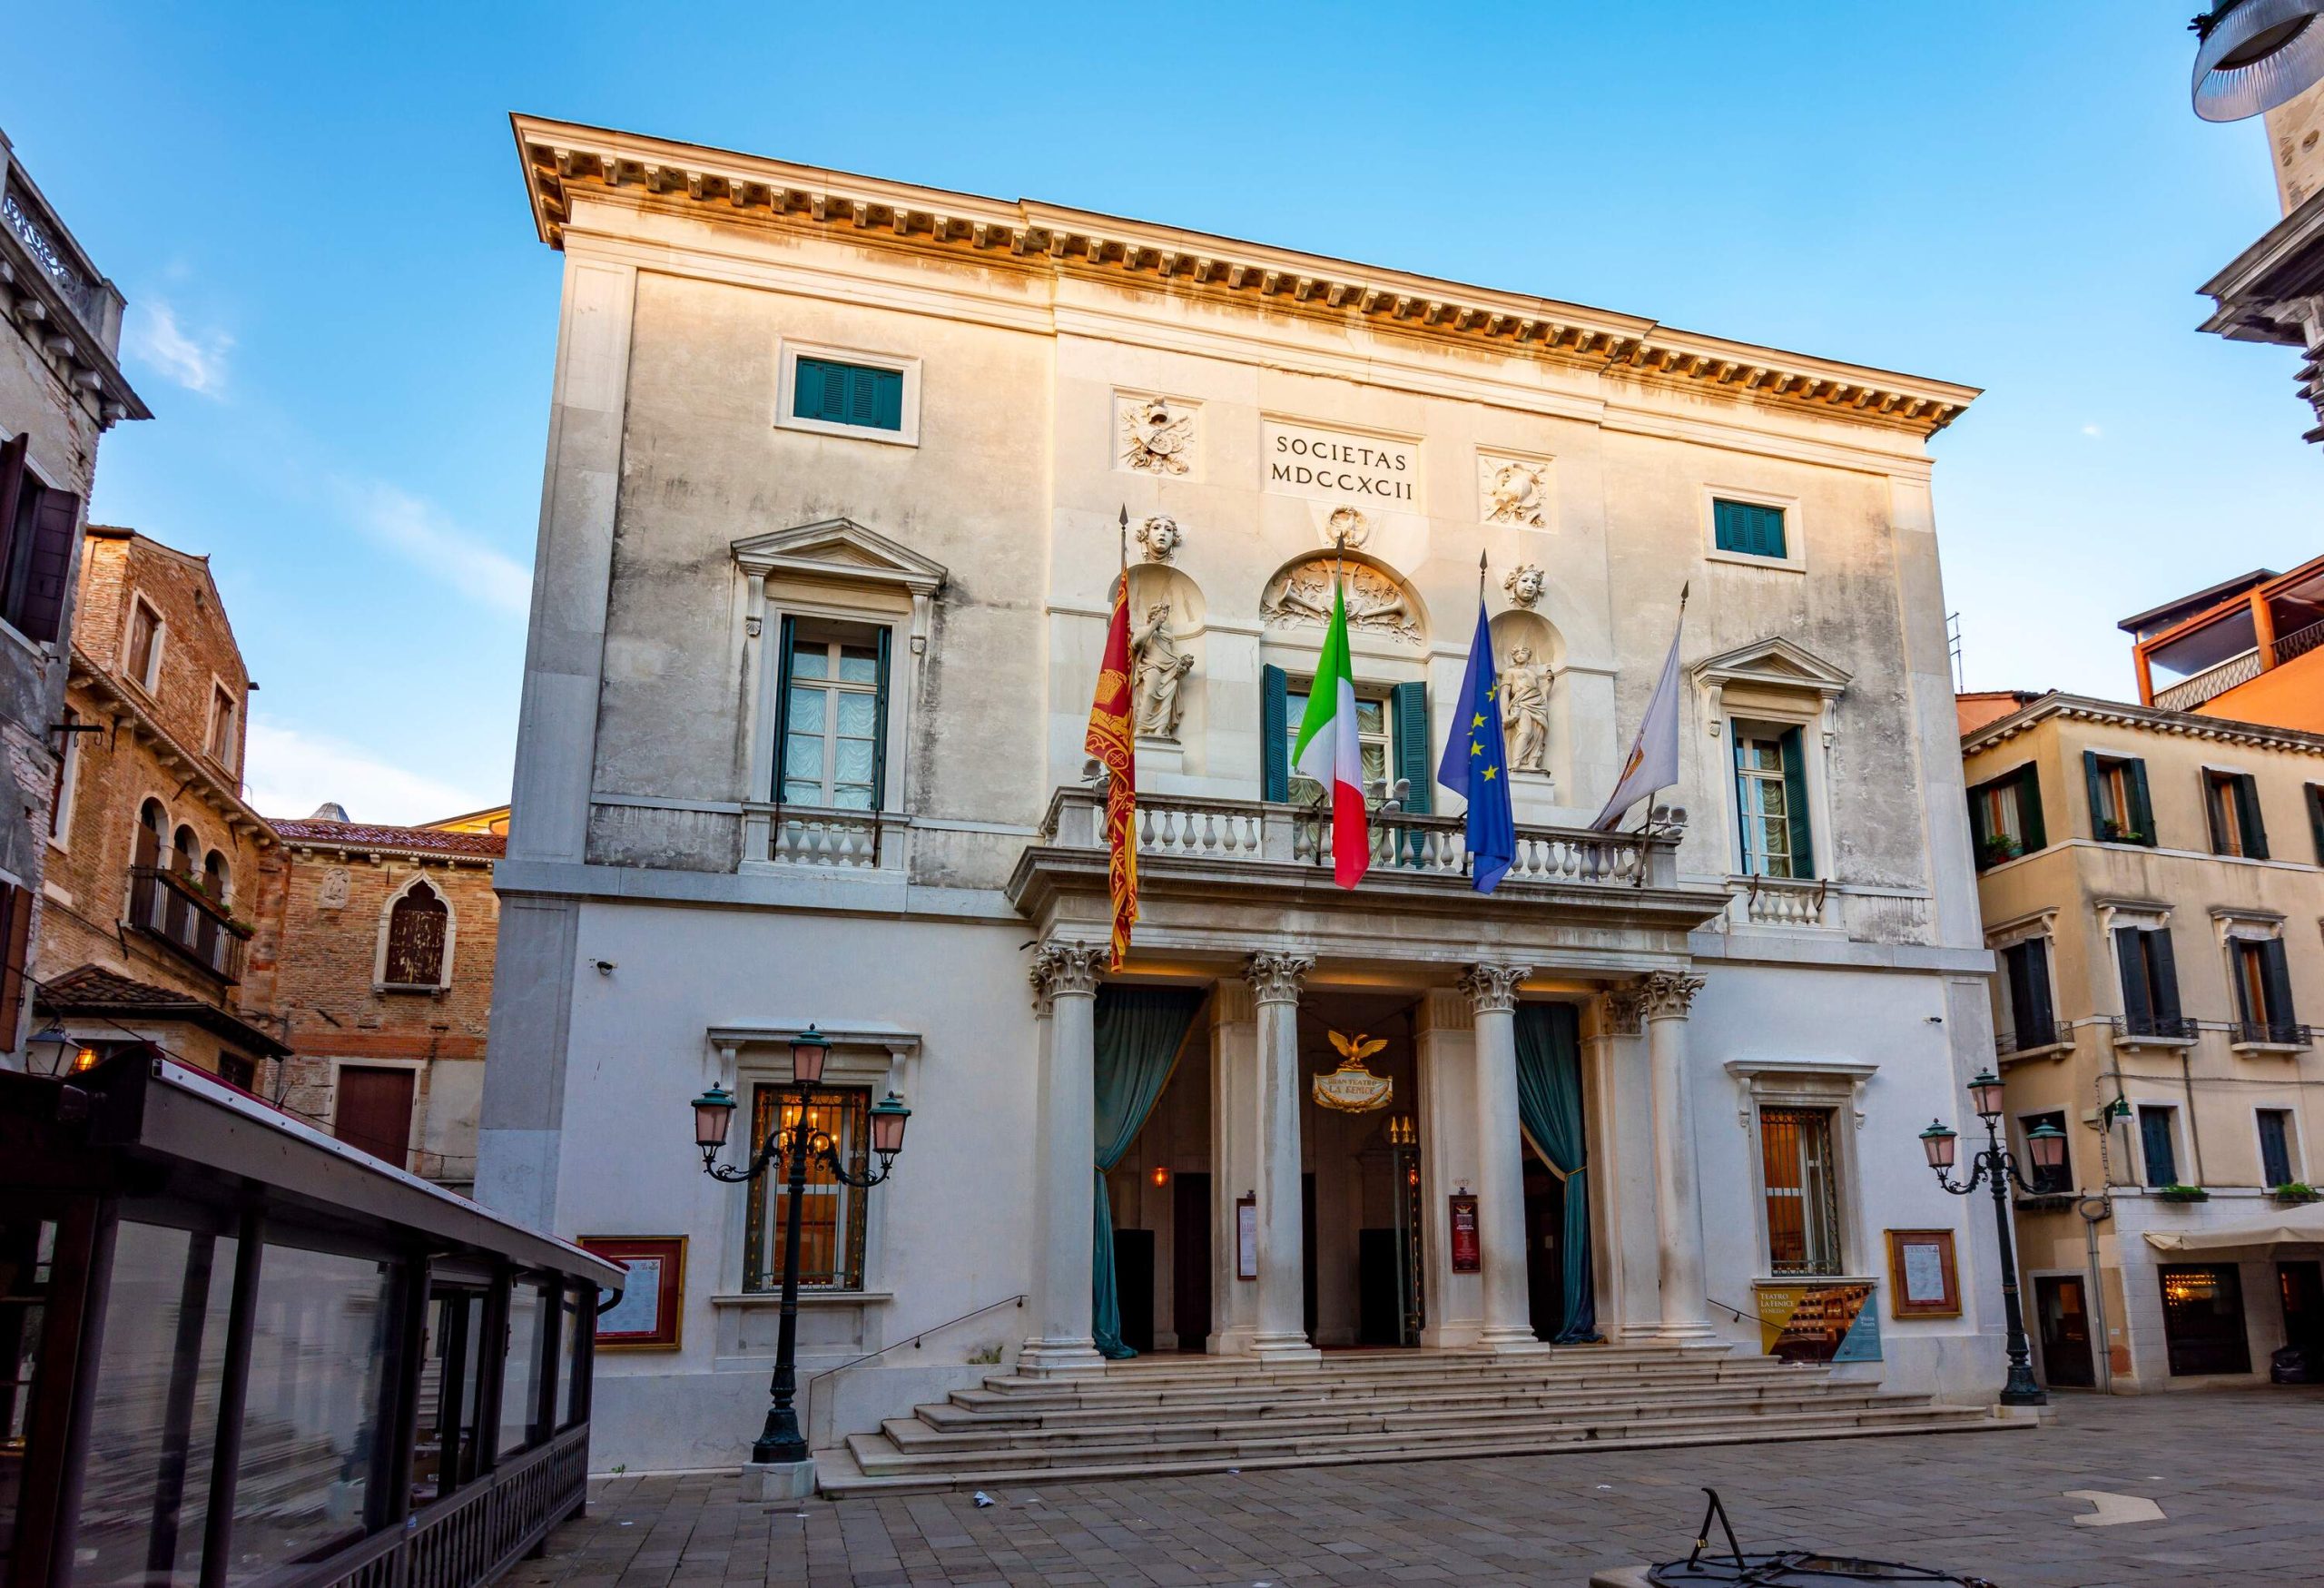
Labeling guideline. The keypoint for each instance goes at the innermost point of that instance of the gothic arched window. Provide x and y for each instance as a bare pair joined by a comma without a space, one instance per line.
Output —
418,926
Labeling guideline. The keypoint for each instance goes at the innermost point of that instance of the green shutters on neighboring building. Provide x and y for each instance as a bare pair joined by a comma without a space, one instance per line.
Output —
1747,528
1409,723
1275,734
849,394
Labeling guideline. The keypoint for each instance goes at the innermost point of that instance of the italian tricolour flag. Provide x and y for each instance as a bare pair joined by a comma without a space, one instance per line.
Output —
1327,749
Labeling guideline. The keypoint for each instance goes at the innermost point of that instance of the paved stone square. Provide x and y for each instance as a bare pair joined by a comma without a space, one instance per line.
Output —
2234,1472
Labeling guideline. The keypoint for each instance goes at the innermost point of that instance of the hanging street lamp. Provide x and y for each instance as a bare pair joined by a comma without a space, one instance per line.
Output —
2046,1146
791,1149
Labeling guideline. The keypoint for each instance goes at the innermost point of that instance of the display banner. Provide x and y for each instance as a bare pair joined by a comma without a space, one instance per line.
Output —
1468,1252
1818,1323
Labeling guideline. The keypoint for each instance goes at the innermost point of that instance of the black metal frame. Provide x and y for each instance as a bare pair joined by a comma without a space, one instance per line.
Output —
1994,1162
781,1441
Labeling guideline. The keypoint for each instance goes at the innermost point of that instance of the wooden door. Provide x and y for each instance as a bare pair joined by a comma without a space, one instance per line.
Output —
374,1111
2066,1362
1190,1261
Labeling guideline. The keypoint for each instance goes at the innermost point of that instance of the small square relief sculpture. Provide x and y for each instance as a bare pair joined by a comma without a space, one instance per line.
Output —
1513,491
1155,434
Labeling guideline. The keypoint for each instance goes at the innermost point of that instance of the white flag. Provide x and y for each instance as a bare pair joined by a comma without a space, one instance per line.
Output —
1653,762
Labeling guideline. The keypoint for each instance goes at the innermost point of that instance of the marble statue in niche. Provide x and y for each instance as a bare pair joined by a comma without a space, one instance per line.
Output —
1158,669
1525,711
1161,538
1524,584
1514,491
1376,601
1156,439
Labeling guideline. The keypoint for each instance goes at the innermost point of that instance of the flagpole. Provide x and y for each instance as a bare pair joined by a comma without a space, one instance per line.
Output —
1480,583
1645,823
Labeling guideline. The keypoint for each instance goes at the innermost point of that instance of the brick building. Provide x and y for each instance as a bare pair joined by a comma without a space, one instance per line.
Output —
154,852
61,389
375,964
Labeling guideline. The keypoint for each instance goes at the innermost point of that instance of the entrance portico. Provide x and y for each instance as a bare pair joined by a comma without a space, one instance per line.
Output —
1603,926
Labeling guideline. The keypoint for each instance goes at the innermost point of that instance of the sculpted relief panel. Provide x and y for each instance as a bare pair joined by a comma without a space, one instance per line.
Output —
1157,437
1513,491
1378,601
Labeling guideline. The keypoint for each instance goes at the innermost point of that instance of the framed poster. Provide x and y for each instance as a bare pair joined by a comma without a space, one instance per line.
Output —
1922,1277
1468,1256
1247,1237
651,1314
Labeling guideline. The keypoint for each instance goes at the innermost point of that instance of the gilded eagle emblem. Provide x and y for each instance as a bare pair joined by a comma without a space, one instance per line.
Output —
1352,1088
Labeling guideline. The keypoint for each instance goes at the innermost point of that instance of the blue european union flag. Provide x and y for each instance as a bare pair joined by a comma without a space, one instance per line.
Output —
1476,765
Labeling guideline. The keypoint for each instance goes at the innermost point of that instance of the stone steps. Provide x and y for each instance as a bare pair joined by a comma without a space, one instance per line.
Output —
1194,1414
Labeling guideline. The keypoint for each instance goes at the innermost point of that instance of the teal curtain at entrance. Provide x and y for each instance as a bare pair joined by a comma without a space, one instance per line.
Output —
1138,1032
1549,1106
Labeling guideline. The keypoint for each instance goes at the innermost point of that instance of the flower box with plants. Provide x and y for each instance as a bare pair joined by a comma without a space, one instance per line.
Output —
1999,848
2293,1191
2117,833
2184,1194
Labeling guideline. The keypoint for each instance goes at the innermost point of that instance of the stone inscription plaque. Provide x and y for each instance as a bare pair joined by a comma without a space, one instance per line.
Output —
1327,464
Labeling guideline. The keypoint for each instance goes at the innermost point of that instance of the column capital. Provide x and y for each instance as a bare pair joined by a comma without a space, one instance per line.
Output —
1275,977
1668,994
1062,970
1493,988
1625,1012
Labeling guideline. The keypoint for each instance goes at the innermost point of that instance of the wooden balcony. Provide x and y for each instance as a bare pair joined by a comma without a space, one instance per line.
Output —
173,910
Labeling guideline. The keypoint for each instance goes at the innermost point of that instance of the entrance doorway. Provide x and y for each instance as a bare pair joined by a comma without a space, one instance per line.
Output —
2301,1284
1362,1268
2202,1319
2060,1301
1545,1248
1190,1261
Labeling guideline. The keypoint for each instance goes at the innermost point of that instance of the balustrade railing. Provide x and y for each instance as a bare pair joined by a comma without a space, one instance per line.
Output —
1179,827
173,908
1782,901
818,836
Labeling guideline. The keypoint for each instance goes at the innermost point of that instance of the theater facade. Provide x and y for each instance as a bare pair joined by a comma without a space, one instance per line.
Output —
841,475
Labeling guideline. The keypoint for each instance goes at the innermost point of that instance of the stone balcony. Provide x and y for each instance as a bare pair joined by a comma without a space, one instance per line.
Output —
1222,874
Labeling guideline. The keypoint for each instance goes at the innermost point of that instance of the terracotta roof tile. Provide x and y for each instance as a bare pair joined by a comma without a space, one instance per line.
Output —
96,985
370,835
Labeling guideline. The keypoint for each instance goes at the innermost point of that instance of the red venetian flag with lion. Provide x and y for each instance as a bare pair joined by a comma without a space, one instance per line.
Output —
1110,741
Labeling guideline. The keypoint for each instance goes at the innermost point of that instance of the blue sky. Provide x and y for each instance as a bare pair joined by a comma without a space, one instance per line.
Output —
342,319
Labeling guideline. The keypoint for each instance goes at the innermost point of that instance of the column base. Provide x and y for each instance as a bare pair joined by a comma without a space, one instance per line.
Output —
1041,1356
1688,1333
1276,1346
767,1481
1511,1340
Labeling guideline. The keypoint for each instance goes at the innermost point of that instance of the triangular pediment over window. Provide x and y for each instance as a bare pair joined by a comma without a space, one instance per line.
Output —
1774,663
840,549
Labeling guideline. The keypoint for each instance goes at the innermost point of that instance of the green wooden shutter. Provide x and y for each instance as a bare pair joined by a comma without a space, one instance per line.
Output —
2275,975
887,398
2094,781
2155,1139
1747,528
2029,809
2037,988
1275,734
1977,833
2247,816
2138,1008
1795,803
2141,807
2316,818
2214,803
2162,972
1410,708
880,730
782,702
807,390
2275,1149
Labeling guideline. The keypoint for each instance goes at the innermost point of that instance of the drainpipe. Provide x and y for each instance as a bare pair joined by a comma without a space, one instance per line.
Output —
2194,1132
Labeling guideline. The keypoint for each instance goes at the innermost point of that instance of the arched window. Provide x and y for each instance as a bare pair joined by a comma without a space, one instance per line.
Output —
185,860
152,833
185,854
148,901
217,881
419,926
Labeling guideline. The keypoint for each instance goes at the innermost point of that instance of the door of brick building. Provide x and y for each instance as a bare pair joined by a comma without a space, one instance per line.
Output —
374,1110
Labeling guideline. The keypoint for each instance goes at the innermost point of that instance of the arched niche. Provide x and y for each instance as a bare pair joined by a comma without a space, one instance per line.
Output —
1382,607
1153,586
1526,640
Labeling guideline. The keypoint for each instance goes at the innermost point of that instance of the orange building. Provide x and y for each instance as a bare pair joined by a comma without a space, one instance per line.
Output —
2249,649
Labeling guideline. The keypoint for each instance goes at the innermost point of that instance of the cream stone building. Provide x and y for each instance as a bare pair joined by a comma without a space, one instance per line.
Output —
2152,884
836,468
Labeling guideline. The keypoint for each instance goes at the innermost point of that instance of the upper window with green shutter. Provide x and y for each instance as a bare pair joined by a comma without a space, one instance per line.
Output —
2005,816
1776,838
1751,529
870,396
2231,803
2120,809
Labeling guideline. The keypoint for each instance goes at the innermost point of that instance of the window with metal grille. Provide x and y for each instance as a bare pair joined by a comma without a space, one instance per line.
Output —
1803,1207
830,1214
416,935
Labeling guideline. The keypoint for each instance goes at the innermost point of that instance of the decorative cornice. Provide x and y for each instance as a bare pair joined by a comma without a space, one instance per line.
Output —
1276,978
2121,714
1669,995
1493,988
1061,970
200,773
562,160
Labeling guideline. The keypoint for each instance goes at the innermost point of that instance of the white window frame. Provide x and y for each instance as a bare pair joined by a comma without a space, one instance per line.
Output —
229,757
379,982
1745,731
1836,1085
151,683
832,687
1304,686
1795,530
786,390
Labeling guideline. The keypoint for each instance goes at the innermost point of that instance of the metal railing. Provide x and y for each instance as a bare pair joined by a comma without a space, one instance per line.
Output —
471,1536
2162,1028
2029,1039
2299,642
807,1391
1238,831
2274,1034
171,907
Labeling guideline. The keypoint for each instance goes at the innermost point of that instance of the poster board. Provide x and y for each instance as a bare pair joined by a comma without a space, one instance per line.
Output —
1247,1237
1924,1280
1467,1251
651,1314
1818,1321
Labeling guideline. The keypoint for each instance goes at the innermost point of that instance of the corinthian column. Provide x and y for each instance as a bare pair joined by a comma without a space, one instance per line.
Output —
1667,997
1276,980
1064,1157
1500,1158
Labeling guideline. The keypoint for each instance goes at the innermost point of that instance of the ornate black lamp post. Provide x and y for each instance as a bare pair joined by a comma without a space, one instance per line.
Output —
2048,1145
792,1150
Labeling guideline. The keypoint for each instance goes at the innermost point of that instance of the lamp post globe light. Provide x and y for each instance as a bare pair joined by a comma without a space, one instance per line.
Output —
2046,1145
791,1149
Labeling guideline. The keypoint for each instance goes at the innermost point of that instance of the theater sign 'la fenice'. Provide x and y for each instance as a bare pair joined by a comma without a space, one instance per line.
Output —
833,512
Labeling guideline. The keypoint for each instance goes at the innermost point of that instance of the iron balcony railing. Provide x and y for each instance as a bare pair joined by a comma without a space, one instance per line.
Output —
2275,1034
2164,1027
174,911
2216,680
2028,1038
